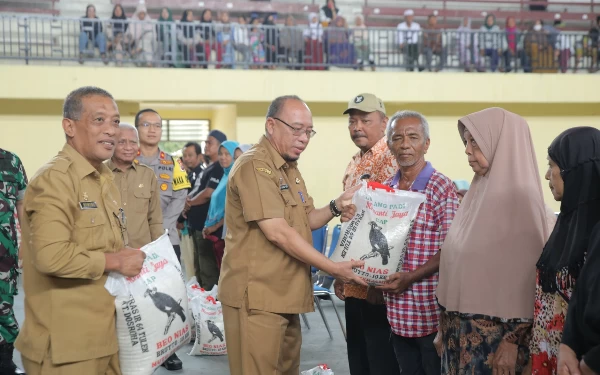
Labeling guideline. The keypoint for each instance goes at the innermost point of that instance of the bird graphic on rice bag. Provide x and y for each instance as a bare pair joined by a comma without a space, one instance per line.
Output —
166,304
216,332
379,244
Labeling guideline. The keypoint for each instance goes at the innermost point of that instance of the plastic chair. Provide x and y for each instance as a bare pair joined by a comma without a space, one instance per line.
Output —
320,244
321,289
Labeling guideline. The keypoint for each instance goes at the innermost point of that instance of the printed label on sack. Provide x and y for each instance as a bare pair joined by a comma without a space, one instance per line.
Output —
379,232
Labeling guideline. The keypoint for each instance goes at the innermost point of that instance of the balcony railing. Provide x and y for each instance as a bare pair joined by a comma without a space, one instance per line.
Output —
194,45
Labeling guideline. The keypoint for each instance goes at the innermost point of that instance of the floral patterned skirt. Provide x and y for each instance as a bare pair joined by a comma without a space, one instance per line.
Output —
470,341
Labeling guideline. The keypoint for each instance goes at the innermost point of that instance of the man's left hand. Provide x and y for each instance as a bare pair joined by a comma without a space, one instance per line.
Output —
346,198
397,282
348,213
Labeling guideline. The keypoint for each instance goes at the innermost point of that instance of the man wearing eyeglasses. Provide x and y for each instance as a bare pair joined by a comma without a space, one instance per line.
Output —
138,187
172,184
265,275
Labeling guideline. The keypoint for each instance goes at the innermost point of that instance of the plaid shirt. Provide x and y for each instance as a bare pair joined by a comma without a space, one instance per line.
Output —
415,312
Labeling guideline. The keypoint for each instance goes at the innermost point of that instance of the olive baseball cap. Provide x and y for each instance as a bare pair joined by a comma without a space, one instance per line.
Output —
366,103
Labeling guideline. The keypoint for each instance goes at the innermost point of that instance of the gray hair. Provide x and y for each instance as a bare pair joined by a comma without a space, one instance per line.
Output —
72,107
400,115
126,126
277,105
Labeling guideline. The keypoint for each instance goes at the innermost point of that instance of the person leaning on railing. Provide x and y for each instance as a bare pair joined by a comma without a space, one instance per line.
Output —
142,34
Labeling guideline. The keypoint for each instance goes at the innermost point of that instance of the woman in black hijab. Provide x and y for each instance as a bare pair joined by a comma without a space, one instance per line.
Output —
329,11
574,175
207,33
580,348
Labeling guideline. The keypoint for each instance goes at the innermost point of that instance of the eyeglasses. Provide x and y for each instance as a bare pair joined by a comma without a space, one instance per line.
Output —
156,125
297,132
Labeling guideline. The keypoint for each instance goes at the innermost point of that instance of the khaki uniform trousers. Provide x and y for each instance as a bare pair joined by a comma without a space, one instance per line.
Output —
262,343
97,366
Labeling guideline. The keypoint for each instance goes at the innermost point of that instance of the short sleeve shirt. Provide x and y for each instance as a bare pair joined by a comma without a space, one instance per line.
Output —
13,182
262,185
209,178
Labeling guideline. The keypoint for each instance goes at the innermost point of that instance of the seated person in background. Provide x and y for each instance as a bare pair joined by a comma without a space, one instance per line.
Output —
91,30
118,27
362,49
142,34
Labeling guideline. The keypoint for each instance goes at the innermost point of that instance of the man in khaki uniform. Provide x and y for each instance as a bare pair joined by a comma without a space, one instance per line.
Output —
73,235
265,276
138,187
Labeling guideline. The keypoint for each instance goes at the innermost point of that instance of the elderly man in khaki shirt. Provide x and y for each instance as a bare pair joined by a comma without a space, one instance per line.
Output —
265,277
138,187
73,235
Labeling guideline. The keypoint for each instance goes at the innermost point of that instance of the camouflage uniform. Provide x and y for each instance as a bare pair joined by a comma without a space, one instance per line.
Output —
13,182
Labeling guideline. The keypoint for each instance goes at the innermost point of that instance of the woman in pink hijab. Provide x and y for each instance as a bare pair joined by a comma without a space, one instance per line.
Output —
487,268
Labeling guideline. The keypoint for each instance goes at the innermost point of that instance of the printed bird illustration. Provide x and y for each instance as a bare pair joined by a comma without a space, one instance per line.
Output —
166,304
379,244
216,332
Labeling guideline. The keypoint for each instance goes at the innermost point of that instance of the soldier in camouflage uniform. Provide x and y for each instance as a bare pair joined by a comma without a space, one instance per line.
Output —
13,182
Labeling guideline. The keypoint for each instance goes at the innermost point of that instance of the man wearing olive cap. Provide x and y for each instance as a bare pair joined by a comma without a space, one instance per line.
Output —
369,347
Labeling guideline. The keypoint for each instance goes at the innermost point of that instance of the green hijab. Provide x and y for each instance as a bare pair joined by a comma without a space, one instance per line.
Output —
162,19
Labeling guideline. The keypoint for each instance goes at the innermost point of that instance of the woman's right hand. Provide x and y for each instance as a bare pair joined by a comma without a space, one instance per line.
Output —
437,342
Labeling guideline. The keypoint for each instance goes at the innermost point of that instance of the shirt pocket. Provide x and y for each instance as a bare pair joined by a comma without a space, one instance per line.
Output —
290,206
90,229
142,200
8,186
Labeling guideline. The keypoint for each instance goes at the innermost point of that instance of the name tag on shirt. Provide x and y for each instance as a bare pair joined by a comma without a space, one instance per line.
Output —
87,205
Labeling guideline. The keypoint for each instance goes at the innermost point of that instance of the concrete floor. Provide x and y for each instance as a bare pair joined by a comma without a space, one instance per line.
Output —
317,347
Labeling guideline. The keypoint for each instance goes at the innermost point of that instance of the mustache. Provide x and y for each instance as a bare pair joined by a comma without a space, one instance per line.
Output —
358,135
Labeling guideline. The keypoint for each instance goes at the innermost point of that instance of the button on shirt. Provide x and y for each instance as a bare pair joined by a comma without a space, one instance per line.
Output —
71,219
141,202
415,313
263,186
381,165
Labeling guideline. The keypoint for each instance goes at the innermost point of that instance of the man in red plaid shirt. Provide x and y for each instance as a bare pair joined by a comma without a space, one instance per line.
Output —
412,308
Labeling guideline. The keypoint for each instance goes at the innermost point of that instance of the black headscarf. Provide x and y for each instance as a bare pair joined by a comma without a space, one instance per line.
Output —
327,10
186,25
582,325
206,28
270,31
576,151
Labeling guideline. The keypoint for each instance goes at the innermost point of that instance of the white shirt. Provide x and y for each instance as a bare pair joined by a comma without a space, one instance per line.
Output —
408,34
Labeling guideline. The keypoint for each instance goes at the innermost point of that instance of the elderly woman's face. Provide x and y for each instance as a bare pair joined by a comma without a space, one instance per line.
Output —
557,185
142,15
477,160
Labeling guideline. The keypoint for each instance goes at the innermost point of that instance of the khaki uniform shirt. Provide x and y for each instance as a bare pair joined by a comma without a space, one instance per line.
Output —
263,186
72,217
172,184
141,202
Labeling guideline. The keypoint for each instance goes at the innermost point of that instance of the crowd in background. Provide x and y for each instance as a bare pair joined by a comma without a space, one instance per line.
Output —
328,39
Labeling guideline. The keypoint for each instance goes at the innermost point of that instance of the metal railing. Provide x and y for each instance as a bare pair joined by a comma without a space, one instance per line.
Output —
195,45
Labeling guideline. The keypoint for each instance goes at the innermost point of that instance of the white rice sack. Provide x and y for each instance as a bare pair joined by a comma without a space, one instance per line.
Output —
210,329
379,232
151,310
194,290
319,370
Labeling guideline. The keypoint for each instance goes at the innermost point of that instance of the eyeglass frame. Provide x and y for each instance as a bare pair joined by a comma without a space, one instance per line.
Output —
156,125
309,133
